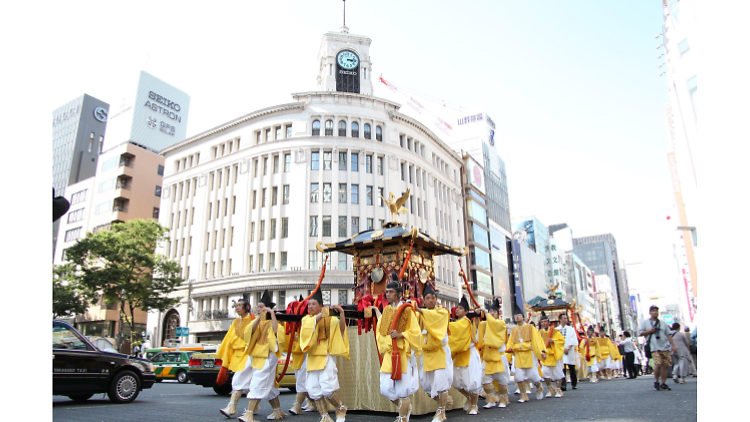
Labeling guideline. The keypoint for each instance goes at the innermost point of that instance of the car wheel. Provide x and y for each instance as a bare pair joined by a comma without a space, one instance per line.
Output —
124,388
182,377
223,390
80,397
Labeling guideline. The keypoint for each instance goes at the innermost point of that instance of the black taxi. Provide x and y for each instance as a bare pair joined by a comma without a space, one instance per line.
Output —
80,370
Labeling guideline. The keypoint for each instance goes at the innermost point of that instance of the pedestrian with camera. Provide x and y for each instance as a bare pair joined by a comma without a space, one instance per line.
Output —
659,346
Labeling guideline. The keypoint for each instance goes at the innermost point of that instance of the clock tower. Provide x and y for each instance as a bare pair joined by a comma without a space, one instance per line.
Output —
344,61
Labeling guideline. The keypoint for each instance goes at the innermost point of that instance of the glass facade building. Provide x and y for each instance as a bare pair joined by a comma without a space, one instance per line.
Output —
77,140
599,253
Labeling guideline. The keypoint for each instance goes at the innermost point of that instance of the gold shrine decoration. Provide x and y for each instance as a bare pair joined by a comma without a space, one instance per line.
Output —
396,205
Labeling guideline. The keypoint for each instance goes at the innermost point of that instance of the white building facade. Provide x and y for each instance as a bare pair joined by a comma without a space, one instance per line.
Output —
247,201
680,48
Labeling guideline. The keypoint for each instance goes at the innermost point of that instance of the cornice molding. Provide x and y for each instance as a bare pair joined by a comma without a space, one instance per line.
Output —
246,118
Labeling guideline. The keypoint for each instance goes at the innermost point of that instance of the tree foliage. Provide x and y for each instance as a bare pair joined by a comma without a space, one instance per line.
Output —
122,266
67,299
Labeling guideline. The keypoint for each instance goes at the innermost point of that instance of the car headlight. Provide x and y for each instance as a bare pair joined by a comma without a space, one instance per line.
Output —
143,366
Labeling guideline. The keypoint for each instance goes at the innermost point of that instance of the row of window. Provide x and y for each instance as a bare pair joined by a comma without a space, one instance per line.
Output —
193,160
272,229
75,216
73,234
342,129
342,229
78,197
273,134
274,197
276,163
273,265
328,161
328,194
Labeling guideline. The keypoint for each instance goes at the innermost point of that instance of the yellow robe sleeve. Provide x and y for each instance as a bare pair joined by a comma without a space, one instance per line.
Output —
232,349
536,343
460,342
434,323
555,351
493,338
308,335
413,334
338,344
480,338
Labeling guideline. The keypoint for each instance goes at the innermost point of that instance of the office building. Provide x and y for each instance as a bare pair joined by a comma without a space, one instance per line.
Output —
599,252
78,129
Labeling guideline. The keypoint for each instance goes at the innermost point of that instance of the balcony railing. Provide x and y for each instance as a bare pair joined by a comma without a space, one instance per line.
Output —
126,163
120,208
215,314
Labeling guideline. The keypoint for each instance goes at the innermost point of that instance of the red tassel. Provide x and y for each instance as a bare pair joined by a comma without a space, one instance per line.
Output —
396,366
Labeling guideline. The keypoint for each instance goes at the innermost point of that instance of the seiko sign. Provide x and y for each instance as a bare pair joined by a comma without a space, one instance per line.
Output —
167,110
347,72
100,114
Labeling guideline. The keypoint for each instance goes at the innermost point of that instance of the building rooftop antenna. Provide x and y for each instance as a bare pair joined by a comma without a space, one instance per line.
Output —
344,29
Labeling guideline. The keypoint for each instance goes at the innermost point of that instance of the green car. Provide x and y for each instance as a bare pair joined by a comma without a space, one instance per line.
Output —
172,366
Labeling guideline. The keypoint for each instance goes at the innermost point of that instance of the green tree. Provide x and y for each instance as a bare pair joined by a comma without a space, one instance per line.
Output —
122,266
67,299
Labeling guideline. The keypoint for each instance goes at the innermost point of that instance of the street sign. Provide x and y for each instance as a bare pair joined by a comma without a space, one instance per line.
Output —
668,319
182,331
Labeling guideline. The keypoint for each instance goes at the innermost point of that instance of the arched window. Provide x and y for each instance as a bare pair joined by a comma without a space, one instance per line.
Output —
171,322
379,133
355,130
367,131
342,128
316,128
329,127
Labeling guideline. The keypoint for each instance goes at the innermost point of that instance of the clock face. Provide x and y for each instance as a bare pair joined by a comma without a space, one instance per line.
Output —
347,60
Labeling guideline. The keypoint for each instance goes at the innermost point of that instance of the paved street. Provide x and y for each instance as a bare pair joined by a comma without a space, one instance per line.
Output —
617,400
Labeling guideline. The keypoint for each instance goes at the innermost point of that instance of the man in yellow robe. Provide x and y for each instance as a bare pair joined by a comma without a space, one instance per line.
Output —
492,336
322,338
552,366
605,348
435,363
232,353
409,346
526,345
614,353
592,363
467,365
259,376
299,365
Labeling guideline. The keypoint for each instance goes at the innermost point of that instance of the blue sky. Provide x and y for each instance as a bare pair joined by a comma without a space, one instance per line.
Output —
571,85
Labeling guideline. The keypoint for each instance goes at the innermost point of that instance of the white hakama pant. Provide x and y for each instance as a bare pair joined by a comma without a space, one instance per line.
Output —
433,382
528,374
300,376
323,382
469,378
259,384
553,372
406,386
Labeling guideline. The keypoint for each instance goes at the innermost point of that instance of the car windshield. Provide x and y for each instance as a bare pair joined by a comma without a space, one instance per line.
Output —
65,338
158,358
